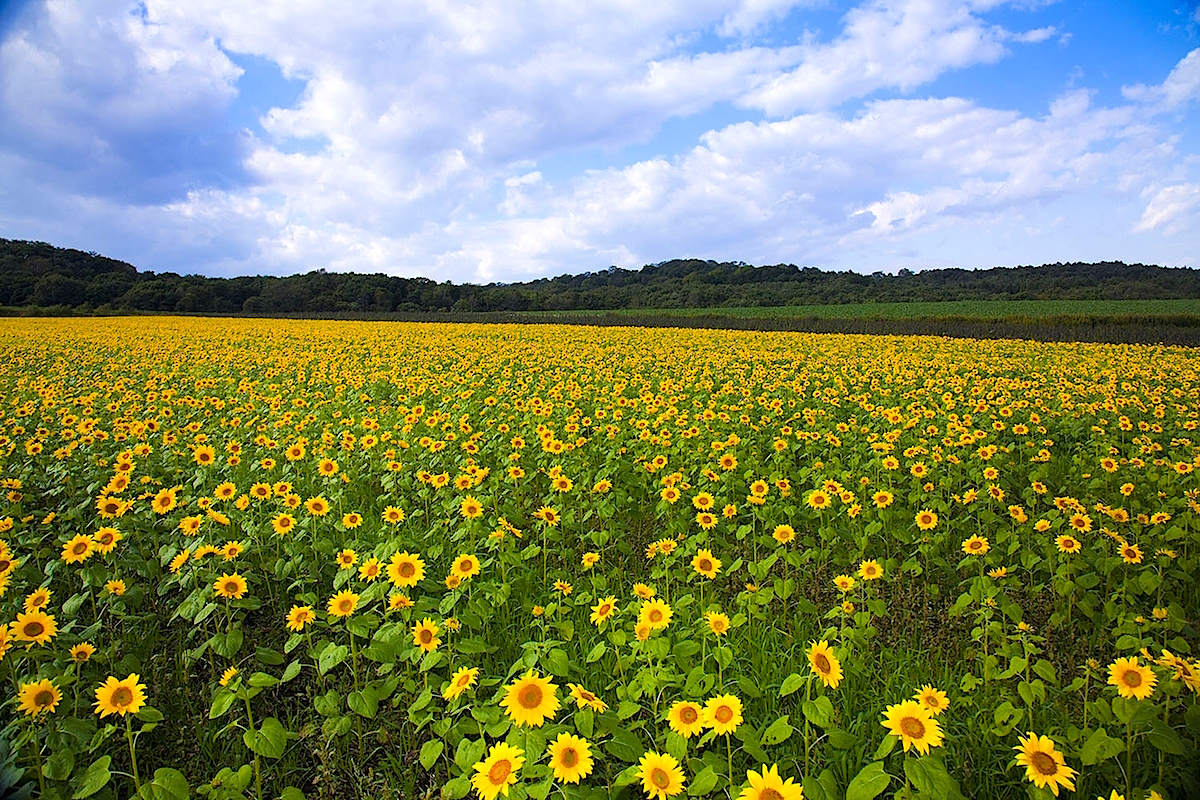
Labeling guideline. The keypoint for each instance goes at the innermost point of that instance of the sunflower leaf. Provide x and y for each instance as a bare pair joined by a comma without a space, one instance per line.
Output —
869,783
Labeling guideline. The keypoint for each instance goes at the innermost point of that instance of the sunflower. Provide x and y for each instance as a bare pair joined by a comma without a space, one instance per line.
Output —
228,675
347,558
38,697
914,724
723,713
844,583
38,598
317,506
164,501
975,546
604,609
1081,522
179,560
120,697
589,560
1068,544
818,500
882,499
530,699
706,520
82,652
299,616
425,635
643,591
230,586
465,566
1131,678
784,533
393,515
660,774
470,508
933,699
547,515
231,550
927,520
1130,553
80,548
342,604
686,718
327,467
106,539
460,681
351,520
570,758
225,491
36,626
585,699
870,570
115,587
282,523
704,563
824,663
718,623
498,771
370,569
655,613
767,785
405,569
1044,765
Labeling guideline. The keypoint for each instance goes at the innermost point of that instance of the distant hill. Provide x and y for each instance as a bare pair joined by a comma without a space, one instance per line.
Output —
39,275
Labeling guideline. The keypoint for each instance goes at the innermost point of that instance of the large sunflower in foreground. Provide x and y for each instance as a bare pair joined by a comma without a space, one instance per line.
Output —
405,569
498,771
660,774
1131,678
38,697
570,758
769,786
914,725
120,697
1044,765
530,699
825,664
37,626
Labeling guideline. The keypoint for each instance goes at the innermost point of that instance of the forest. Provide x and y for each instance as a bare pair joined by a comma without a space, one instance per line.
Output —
37,275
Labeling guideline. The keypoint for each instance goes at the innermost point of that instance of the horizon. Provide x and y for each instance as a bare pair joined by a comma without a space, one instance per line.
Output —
478,144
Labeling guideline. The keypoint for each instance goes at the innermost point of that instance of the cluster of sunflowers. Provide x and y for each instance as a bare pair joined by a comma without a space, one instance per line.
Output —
363,560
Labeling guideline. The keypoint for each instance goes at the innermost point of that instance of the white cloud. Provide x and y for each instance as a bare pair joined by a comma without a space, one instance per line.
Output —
1173,209
1181,86
898,44
431,137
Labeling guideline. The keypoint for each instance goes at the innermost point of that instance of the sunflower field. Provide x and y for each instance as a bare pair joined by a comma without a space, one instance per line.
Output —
288,559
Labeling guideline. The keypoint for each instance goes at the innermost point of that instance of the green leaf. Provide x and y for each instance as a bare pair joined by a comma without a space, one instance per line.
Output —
469,751
59,765
221,703
457,788
1045,671
625,746
869,783
293,669
557,663
929,775
261,680
268,657
819,712
291,793
269,740
149,714
365,704
778,731
596,653
790,684
168,784
331,656
95,778
431,751
1100,747
1164,737
703,783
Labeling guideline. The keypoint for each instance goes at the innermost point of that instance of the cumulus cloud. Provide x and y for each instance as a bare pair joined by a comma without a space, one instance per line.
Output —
439,138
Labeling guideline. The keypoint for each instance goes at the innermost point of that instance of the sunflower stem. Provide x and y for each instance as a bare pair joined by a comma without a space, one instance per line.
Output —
36,744
137,781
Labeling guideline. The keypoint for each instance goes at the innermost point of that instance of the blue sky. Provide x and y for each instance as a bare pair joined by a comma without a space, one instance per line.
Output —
486,141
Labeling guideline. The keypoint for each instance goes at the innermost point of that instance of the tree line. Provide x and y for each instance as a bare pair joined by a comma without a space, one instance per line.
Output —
36,274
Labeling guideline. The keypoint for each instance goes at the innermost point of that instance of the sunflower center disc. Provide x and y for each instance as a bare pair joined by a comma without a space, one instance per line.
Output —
1044,763
912,727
